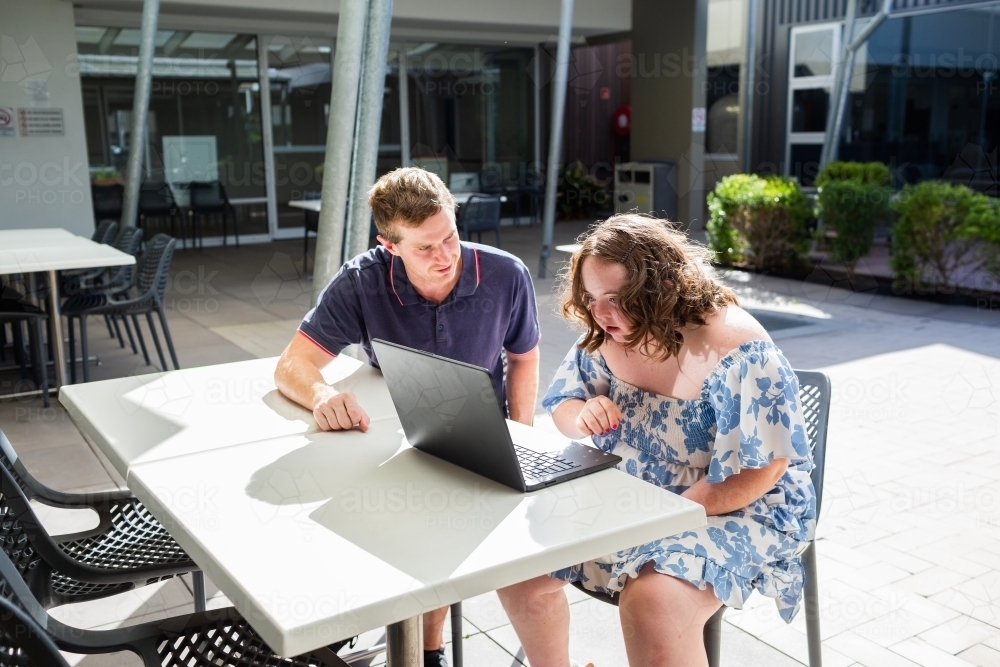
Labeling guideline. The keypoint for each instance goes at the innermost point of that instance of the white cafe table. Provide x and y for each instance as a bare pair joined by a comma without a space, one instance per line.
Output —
318,536
50,251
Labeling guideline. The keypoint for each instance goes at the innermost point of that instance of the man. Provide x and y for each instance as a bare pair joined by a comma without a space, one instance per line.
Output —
422,288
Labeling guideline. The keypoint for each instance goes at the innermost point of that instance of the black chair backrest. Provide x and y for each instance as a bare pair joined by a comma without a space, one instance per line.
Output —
155,198
153,269
23,642
129,240
105,232
814,397
108,200
480,213
208,195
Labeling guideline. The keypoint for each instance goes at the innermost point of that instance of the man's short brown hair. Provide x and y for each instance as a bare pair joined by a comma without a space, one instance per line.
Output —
408,196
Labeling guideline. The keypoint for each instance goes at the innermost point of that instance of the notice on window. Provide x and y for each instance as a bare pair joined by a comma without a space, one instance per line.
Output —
698,119
40,122
6,122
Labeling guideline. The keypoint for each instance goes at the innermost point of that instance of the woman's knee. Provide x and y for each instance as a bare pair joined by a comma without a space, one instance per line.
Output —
654,595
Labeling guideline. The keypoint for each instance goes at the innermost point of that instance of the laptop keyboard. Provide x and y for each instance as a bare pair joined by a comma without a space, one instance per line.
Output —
536,465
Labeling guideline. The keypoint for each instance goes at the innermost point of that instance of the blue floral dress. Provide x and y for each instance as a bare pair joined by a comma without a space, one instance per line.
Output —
748,414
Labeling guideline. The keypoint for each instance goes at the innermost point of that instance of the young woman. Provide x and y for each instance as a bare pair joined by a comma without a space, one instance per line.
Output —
674,377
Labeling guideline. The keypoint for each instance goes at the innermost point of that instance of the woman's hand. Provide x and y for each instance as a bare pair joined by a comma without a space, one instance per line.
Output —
598,416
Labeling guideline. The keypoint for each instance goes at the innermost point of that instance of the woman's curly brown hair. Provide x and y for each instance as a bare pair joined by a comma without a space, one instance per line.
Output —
667,286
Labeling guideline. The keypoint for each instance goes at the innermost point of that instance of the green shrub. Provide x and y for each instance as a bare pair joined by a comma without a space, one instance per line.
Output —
852,209
875,173
579,193
942,229
760,221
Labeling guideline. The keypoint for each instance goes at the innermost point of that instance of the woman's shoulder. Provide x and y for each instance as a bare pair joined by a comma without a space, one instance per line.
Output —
729,328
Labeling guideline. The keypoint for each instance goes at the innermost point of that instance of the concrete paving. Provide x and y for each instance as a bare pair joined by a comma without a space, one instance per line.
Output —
909,535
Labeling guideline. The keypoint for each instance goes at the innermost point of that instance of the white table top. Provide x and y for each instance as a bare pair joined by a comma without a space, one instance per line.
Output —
31,250
151,417
314,204
321,536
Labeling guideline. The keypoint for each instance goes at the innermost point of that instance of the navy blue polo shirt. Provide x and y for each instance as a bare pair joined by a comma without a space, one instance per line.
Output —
491,308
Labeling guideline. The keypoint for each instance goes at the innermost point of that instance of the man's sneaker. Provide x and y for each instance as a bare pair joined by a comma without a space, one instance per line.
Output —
435,658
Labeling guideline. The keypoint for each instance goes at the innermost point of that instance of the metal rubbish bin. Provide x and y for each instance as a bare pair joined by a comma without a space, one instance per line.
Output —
648,186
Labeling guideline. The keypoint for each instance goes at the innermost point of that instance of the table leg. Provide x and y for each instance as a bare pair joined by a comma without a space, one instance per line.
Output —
55,320
198,577
404,643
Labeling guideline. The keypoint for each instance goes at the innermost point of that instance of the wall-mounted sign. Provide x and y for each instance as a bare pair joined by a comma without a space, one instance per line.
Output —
40,122
6,122
698,119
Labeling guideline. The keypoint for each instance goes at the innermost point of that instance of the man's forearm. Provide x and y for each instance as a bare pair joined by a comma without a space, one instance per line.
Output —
522,386
302,382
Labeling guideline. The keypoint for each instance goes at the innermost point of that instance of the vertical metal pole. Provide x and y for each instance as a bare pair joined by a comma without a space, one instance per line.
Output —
538,109
267,130
339,141
749,85
838,81
140,110
200,599
369,125
555,135
404,643
404,108
696,149
457,636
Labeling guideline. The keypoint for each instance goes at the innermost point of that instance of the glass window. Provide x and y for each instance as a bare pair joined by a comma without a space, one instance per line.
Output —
813,53
927,101
726,52
809,109
204,85
804,162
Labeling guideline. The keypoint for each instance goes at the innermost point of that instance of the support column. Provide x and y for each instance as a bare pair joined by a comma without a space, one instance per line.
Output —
668,72
140,110
555,135
267,132
339,141
369,126
404,107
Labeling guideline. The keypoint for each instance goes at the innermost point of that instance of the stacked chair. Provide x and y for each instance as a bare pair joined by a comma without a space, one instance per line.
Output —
141,296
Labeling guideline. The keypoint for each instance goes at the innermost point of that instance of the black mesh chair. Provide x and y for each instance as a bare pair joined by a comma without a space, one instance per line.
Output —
16,310
310,223
105,232
220,637
814,396
208,199
480,214
108,201
23,642
151,277
157,201
128,548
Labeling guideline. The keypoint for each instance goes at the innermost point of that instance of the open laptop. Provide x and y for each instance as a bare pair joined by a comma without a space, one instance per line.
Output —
450,409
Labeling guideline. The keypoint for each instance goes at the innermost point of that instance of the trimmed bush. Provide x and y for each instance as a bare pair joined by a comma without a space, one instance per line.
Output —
759,221
942,230
875,173
853,199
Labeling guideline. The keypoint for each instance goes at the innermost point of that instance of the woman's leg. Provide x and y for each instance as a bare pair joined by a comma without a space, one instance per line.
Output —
539,612
663,619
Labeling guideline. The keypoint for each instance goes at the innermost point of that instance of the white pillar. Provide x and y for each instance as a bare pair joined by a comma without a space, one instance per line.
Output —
140,110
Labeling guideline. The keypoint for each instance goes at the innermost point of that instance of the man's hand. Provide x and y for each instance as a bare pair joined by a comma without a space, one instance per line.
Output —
340,412
598,416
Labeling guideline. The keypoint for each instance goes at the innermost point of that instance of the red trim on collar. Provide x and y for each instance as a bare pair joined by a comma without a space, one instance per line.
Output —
477,266
392,282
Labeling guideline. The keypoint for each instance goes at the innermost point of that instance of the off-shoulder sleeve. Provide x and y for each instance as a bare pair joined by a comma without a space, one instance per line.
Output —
580,375
755,394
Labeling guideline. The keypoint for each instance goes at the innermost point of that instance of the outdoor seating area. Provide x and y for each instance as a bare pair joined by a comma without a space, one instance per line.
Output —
662,333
